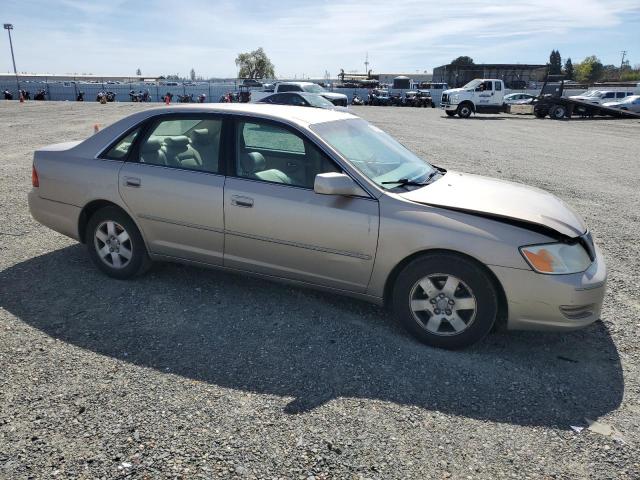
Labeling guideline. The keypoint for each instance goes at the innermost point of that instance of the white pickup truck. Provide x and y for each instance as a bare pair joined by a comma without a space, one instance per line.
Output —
482,95
338,99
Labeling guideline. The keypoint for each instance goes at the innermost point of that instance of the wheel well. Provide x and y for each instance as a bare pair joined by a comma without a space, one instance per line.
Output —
88,211
468,102
501,318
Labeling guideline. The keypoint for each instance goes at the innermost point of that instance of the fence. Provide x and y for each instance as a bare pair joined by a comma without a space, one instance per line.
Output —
68,90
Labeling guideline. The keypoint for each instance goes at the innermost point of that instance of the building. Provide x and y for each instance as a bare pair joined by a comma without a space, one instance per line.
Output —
514,75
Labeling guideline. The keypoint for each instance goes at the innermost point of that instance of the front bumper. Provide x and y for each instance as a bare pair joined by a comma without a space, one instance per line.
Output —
553,302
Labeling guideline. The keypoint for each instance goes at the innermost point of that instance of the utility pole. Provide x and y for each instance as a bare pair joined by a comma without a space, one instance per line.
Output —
366,65
624,54
8,27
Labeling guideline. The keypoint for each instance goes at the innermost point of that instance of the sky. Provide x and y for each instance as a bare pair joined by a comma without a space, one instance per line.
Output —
307,38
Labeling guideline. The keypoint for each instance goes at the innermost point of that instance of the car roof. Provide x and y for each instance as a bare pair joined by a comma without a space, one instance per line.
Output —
302,116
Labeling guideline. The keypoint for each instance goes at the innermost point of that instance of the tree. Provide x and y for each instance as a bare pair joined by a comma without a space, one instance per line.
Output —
139,72
590,70
463,60
568,69
255,64
555,63
192,74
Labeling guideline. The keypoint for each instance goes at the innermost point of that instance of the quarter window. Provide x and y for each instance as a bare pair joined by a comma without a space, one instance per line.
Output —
275,154
121,149
189,143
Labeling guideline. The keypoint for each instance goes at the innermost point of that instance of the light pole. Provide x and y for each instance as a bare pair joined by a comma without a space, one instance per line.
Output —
8,27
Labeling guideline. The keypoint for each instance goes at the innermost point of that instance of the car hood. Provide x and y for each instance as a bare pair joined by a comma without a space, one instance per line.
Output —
454,90
500,199
333,95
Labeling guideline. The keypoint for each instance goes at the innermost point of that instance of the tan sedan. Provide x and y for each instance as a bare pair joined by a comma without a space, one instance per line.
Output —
324,199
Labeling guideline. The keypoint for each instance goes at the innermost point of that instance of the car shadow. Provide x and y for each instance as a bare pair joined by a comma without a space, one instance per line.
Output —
245,333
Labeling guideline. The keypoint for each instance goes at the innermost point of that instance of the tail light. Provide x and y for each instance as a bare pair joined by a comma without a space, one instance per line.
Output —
34,177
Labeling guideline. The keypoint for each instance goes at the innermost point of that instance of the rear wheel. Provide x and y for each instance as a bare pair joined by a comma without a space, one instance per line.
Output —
445,300
115,244
450,113
558,112
464,110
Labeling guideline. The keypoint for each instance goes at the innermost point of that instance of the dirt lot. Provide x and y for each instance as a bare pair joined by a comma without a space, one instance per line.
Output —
193,373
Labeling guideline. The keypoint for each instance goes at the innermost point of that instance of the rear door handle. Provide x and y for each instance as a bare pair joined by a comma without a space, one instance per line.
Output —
240,201
132,181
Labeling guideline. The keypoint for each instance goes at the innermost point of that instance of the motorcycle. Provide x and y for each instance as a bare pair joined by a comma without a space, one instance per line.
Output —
356,100
168,97
104,97
185,98
26,95
202,98
40,95
8,95
80,97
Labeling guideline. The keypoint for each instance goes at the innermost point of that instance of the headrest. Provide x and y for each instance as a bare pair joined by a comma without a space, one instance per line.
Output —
151,145
200,135
179,142
253,162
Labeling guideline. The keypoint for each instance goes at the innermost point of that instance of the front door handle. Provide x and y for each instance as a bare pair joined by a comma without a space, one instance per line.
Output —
240,201
132,181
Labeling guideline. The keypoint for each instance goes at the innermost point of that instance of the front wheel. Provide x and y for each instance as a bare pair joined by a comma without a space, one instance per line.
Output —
115,244
450,113
445,300
464,111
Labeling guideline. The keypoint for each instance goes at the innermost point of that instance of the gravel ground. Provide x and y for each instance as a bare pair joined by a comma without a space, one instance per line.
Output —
189,373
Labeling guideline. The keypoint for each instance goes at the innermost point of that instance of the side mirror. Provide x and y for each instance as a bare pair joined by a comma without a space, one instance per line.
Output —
337,184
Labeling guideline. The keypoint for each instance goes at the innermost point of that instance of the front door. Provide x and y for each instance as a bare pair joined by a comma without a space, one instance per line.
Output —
277,225
174,188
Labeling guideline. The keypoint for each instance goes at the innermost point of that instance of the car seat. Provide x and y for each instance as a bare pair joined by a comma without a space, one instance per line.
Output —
180,153
151,152
207,144
252,165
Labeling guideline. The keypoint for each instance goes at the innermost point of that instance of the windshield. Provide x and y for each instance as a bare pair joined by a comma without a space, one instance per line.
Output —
374,153
472,84
313,88
318,101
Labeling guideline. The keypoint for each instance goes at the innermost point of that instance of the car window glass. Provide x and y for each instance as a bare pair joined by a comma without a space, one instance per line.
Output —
498,86
189,143
289,88
621,95
121,149
277,155
609,95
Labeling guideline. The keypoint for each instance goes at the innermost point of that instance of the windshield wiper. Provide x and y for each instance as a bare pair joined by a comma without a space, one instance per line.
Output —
405,181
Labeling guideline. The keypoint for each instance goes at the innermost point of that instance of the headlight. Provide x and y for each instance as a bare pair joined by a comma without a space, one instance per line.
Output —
556,258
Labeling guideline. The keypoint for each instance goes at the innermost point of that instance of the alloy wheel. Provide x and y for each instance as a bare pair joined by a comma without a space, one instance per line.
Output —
443,304
113,244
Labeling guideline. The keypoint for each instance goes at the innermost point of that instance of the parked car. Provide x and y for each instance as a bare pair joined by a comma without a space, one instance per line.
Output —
338,99
631,103
322,198
418,98
251,82
299,99
379,98
599,97
519,99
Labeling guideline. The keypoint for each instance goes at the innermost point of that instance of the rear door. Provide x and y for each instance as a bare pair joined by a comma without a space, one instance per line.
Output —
173,183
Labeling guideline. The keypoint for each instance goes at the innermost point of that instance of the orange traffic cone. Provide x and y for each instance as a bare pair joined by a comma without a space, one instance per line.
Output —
96,128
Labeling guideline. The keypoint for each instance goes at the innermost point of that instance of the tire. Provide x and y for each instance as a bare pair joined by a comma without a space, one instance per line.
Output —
428,304
558,112
115,244
464,110
450,113
540,113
